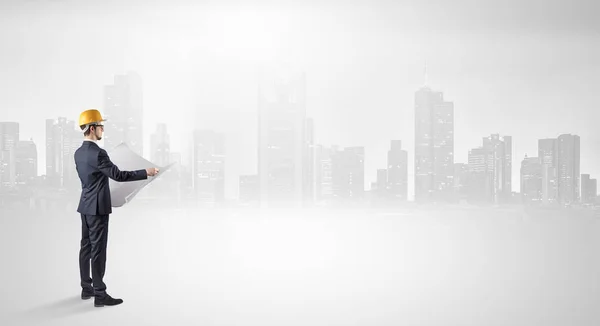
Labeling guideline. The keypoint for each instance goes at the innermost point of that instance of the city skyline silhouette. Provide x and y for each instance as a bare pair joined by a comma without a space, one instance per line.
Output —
122,91
527,79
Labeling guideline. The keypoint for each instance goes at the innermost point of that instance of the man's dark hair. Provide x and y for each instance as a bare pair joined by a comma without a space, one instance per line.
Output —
87,132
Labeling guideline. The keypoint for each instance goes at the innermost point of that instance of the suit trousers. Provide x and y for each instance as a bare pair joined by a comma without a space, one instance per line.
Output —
94,240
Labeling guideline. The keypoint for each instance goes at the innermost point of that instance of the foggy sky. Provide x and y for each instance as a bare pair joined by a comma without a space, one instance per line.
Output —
528,70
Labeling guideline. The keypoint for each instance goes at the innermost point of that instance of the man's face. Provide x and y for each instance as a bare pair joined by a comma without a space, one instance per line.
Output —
98,131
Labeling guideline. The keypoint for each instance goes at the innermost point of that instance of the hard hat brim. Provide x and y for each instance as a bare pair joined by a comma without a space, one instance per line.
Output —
87,126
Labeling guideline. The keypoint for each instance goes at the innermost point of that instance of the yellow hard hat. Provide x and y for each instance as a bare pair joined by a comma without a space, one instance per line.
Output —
90,117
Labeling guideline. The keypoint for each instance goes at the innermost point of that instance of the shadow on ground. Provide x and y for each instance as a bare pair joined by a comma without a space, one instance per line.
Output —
60,309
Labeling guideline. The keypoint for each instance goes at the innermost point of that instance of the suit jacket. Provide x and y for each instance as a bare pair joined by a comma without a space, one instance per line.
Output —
94,167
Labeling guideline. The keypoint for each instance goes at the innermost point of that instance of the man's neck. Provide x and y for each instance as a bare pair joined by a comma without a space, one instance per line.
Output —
90,139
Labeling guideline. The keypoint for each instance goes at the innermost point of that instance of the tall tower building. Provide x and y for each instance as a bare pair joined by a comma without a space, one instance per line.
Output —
461,180
282,139
507,146
531,180
309,164
248,188
160,143
9,138
209,166
548,155
499,165
397,171
589,189
380,187
490,170
123,109
479,176
26,162
348,173
168,186
62,140
323,171
434,146
569,169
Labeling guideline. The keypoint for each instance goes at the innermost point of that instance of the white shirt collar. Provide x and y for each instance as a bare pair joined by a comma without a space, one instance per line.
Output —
85,139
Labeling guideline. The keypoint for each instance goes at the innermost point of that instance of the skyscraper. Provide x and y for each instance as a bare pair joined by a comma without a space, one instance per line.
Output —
461,180
531,180
434,146
309,162
324,181
248,188
160,143
62,140
499,165
167,187
479,176
589,189
568,168
209,166
26,162
548,155
381,185
9,138
348,173
397,171
123,109
282,139
490,170
506,193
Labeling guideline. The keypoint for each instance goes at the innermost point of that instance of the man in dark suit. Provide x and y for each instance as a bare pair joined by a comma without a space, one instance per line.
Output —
94,168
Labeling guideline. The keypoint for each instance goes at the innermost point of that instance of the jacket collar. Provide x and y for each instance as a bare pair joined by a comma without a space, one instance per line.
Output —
90,142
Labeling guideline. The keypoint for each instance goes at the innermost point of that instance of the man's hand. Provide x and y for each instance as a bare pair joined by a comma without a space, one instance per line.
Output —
152,171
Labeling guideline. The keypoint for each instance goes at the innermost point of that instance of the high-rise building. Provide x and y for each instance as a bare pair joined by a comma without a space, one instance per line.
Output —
531,180
249,188
160,146
123,109
209,166
589,190
9,138
62,140
348,173
168,187
548,155
309,164
282,139
506,190
500,166
461,180
434,146
397,171
9,135
324,181
174,182
380,187
490,170
568,169
26,162
479,181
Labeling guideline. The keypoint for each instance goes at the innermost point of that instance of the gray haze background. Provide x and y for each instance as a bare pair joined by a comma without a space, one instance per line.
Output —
525,69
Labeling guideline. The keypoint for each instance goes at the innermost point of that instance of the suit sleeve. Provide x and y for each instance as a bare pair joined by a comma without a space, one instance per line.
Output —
106,166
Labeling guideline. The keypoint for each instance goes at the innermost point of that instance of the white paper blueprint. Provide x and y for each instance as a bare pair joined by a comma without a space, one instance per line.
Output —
127,160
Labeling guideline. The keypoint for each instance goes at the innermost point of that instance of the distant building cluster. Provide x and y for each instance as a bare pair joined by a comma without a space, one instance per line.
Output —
553,177
294,171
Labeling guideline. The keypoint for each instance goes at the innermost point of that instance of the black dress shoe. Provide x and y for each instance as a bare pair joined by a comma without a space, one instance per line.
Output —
107,300
87,294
